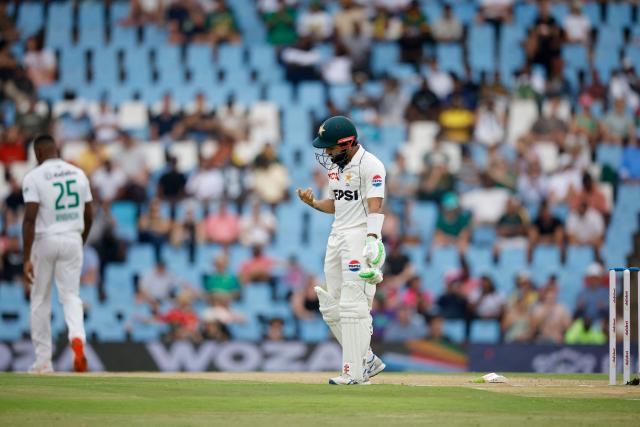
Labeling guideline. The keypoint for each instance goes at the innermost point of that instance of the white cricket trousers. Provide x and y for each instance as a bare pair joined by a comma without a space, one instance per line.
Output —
58,256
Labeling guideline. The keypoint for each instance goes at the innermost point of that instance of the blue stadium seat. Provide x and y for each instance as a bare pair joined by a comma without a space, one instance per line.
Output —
30,18
384,57
513,259
618,14
559,11
339,95
454,329
280,93
72,61
481,48
11,295
592,11
105,68
485,331
479,259
91,25
141,257
124,37
311,96
579,257
546,258
230,57
449,56
119,11
146,332
525,14
484,235
465,11
256,297
423,218
118,283
250,330
125,216
575,56
445,257
314,330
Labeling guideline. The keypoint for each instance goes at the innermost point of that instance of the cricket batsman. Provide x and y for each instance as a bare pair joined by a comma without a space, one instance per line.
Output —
56,224
355,253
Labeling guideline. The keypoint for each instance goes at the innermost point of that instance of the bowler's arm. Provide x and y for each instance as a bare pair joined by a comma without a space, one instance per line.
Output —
88,221
324,205
28,236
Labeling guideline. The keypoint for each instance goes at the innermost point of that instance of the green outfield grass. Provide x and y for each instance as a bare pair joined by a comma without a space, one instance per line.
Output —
114,401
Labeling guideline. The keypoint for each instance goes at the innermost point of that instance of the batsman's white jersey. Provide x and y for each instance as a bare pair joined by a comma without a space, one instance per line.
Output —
347,305
61,191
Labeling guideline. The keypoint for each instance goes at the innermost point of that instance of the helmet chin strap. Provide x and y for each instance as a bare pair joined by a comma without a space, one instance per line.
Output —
342,159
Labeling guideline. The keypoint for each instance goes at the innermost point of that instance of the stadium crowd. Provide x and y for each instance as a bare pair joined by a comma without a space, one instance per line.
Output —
541,187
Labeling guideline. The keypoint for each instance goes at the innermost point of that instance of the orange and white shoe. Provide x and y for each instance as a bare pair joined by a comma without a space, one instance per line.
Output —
79,359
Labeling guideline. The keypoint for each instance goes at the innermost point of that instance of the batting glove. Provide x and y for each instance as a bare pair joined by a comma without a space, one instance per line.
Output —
374,252
371,275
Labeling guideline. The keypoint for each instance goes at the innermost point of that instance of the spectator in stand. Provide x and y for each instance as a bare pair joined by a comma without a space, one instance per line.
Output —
11,248
33,119
577,26
294,276
585,226
350,15
440,82
183,322
500,172
414,297
275,330
8,29
584,124
222,227
591,194
171,186
435,179
512,228
448,29
617,126
105,123
630,167
392,103
496,12
457,121
424,104
199,123
549,127
186,232
453,226
584,331
337,71
14,200
257,227
219,316
132,160
258,268
489,124
12,147
154,227
222,25
206,184
596,89
73,124
92,156
487,204
415,33
453,303
315,23
546,229
270,177
385,26
281,25
90,273
304,302
143,12
544,41
166,125
358,45
402,184
397,268
486,302
40,62
109,181
301,62
516,322
593,299
158,285
549,319
408,325
222,280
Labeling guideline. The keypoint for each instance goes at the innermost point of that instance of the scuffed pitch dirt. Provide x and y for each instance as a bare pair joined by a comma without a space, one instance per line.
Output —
519,385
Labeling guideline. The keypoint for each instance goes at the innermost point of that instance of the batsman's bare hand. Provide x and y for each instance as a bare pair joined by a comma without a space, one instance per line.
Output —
306,196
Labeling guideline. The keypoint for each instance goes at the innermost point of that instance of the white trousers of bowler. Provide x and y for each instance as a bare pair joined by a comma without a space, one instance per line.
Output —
343,263
58,256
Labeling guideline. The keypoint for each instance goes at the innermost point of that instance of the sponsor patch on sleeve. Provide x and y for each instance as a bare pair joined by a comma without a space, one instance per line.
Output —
376,181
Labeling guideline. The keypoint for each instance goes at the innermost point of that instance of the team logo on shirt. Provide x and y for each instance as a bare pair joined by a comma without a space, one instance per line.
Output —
354,265
376,181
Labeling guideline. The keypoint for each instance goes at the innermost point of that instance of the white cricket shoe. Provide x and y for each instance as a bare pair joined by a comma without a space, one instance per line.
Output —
41,368
347,380
373,366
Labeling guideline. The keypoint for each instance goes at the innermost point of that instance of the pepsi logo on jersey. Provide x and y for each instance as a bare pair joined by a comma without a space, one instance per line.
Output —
376,181
354,265
348,195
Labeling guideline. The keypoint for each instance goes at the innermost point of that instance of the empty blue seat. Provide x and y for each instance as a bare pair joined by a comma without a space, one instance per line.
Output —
481,48
485,331
11,295
618,14
312,97
445,257
484,235
525,14
141,257
314,330
256,297
449,56
454,329
479,259
610,155
546,258
384,57
559,11
146,332
30,18
512,259
230,57
125,217
250,330
579,256
575,56
423,218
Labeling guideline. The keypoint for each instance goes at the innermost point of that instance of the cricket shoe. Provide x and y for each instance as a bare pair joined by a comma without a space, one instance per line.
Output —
79,359
347,380
41,368
373,366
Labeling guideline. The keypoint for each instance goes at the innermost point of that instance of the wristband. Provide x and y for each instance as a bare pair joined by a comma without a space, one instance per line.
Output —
374,224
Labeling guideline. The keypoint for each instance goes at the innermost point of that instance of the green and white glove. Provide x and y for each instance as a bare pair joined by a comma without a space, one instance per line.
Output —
371,275
374,253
